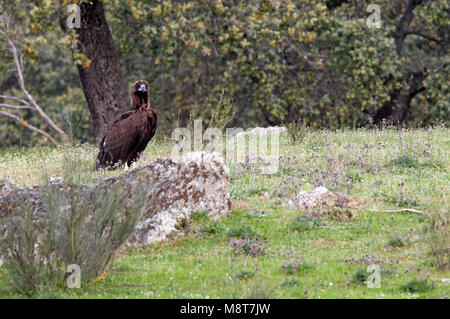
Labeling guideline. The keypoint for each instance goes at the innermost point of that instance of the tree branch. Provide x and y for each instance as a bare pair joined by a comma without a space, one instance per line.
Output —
17,107
30,127
395,211
423,35
18,63
14,98
402,27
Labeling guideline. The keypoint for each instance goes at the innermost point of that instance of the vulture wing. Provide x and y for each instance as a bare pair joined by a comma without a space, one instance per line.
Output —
124,139
148,129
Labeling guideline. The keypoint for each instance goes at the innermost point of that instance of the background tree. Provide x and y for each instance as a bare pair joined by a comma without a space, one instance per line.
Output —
7,32
316,62
103,85
311,61
51,77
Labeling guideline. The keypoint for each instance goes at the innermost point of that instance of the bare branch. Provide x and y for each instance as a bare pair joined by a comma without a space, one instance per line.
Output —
17,57
30,127
17,107
404,210
14,98
30,97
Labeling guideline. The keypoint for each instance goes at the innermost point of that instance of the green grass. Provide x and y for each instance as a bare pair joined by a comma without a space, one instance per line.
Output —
302,257
396,242
418,285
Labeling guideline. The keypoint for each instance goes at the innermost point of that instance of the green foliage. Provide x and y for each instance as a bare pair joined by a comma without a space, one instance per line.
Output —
245,274
418,285
296,267
223,113
243,231
303,223
284,60
395,242
359,277
278,61
214,227
200,216
290,283
405,161
297,131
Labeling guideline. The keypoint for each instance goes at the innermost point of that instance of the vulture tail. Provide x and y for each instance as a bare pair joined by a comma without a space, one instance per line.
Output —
102,157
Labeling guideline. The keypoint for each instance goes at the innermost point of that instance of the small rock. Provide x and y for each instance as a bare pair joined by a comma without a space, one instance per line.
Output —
317,197
56,180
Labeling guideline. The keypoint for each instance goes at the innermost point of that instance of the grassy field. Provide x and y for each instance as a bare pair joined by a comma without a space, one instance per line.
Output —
280,253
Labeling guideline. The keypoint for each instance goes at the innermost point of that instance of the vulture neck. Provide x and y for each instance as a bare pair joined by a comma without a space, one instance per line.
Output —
140,103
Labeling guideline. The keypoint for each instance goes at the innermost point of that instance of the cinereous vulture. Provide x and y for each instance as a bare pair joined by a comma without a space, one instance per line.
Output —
128,136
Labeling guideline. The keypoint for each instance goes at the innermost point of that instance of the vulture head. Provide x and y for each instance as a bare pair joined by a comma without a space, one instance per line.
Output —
140,95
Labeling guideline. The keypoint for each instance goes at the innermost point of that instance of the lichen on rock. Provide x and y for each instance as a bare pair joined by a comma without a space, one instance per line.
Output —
198,181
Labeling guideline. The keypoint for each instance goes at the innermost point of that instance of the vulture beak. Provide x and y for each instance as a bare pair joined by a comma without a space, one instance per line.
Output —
142,88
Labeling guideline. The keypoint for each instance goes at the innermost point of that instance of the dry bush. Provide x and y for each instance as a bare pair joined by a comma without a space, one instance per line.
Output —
438,239
75,225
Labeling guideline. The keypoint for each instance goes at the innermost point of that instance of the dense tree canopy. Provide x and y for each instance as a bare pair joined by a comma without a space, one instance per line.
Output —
279,61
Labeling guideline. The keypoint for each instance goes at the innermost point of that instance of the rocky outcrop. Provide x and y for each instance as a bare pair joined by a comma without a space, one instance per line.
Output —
181,185
195,182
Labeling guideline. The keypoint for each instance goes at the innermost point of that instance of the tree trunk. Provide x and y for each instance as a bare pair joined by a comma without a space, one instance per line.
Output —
102,82
403,26
395,111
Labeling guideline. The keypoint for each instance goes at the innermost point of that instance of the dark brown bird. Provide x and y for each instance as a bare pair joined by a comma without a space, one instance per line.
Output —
128,136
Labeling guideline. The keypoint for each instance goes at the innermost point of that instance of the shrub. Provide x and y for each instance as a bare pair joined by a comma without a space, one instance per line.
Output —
199,216
260,290
290,283
296,267
249,246
297,131
304,223
214,227
199,223
77,225
359,277
418,285
405,161
395,242
242,231
438,239
223,113
245,274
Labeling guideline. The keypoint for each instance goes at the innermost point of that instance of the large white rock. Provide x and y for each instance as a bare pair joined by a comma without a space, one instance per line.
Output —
198,181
